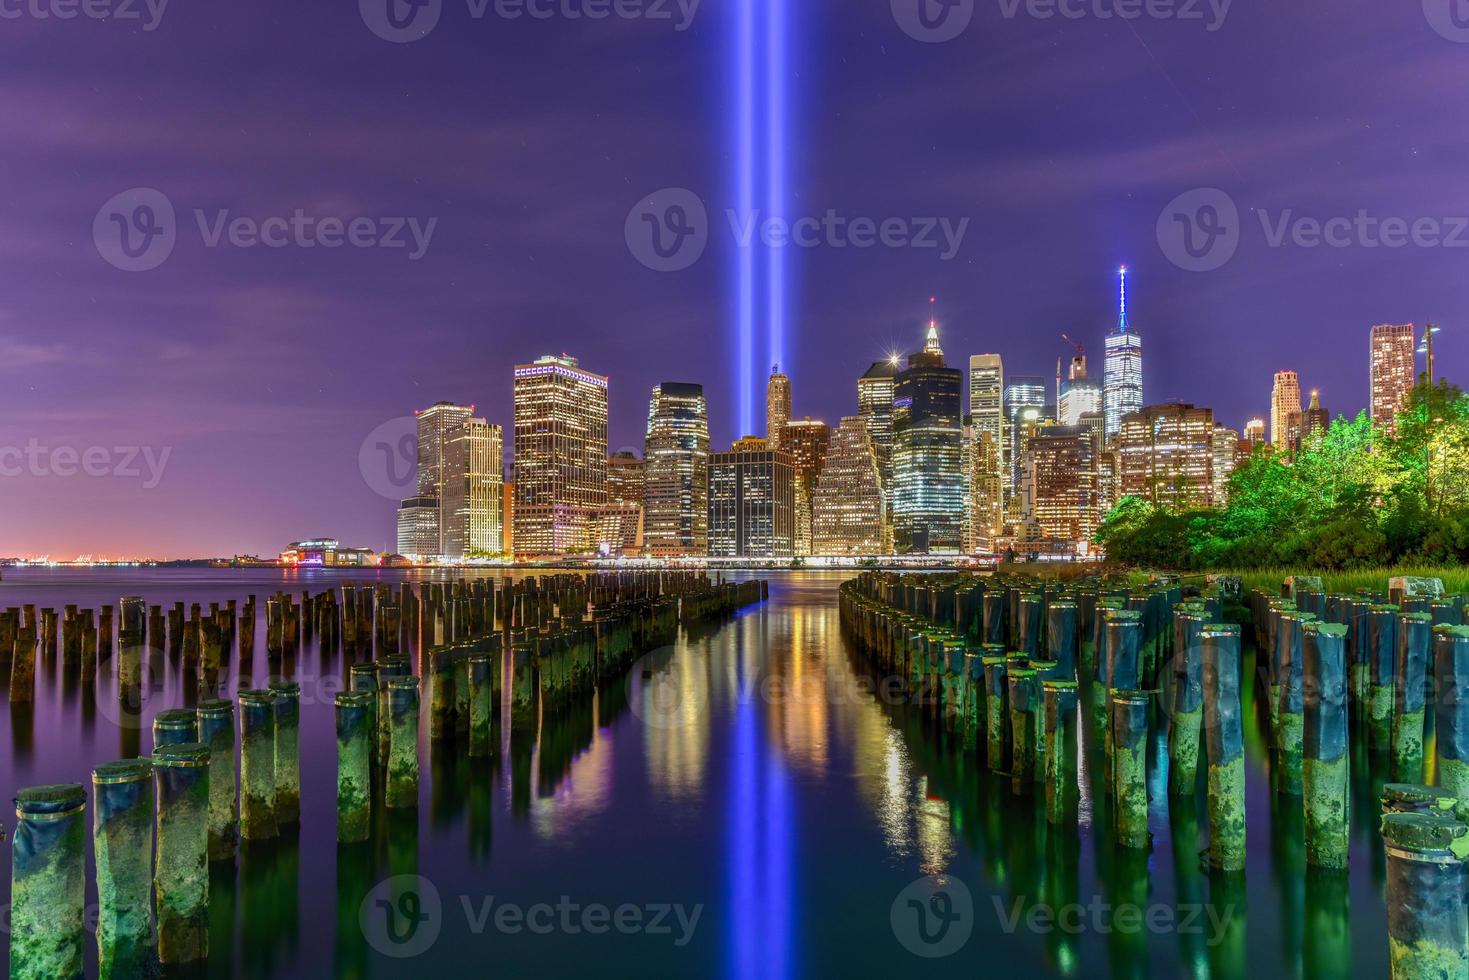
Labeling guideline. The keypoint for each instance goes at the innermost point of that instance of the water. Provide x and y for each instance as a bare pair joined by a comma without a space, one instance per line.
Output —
744,806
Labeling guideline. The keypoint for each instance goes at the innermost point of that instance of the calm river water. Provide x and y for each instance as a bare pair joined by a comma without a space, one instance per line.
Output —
744,805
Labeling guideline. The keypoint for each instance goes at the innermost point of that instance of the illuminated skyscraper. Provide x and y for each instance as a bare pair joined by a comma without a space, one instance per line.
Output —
1226,458
1122,377
1394,370
418,527
928,473
1285,412
807,441
1025,404
1255,432
474,477
849,509
676,472
1318,419
1062,478
1080,395
986,511
752,502
777,407
620,521
987,411
875,405
1166,456
560,456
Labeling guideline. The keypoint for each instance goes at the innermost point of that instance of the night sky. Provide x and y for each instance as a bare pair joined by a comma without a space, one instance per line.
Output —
260,371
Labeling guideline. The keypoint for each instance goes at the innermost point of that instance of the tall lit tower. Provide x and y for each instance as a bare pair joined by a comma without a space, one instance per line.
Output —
560,456
1285,411
928,458
875,405
1122,376
777,407
676,472
1394,370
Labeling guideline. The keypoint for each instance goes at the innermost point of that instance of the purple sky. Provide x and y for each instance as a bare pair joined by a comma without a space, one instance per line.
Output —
261,371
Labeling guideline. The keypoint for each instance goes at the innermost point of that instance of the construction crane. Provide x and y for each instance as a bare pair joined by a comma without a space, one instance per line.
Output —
1080,350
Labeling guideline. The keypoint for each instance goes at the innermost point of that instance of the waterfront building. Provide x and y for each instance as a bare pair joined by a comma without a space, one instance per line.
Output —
807,440
418,527
1122,375
1285,412
676,472
470,514
327,553
1062,480
849,509
875,405
560,456
752,502
928,476
1165,455
619,524
777,407
1394,370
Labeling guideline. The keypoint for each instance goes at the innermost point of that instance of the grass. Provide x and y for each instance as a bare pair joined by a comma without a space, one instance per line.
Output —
1455,579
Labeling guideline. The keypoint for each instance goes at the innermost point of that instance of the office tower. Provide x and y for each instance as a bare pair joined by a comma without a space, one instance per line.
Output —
1166,456
986,510
1255,431
777,407
752,502
1062,481
676,472
1226,458
438,429
620,521
929,482
507,519
987,410
1285,412
1122,375
560,456
1080,395
474,473
875,405
1394,370
1025,404
1318,419
418,527
849,509
807,440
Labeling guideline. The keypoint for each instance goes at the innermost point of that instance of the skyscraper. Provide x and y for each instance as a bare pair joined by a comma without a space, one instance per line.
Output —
1394,370
620,521
418,527
676,473
474,477
1166,456
1025,404
1255,432
1122,375
777,407
1285,411
1318,419
1063,483
986,509
987,412
849,508
439,427
751,502
928,474
1226,459
875,405
807,440
1080,395
560,456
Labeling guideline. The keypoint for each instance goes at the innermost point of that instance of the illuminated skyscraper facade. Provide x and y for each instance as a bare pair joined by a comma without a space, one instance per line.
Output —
807,440
620,521
849,508
987,412
1025,404
1062,478
752,502
418,527
676,472
875,405
1122,375
1165,455
777,407
1318,419
474,478
1080,395
929,483
1256,433
1285,412
986,515
560,457
1226,458
1394,370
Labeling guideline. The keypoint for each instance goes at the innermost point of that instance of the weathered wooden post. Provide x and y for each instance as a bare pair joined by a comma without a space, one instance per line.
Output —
1415,636
1382,633
287,696
48,883
997,711
1224,743
402,789
257,765
1289,720
1060,709
181,878
1324,768
217,730
481,703
122,841
176,726
356,739
1451,712
1186,722
1428,932
1130,767
1023,684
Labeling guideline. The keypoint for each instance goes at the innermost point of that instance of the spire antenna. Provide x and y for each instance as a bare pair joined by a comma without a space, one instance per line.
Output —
1122,308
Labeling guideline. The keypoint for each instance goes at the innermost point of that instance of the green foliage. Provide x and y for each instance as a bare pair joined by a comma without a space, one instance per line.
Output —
1353,497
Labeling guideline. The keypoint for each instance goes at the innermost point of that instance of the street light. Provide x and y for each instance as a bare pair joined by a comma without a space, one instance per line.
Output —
1425,347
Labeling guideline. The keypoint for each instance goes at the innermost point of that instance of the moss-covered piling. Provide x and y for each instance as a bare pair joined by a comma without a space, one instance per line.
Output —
355,712
1325,784
1224,744
1060,698
1129,731
217,730
1410,691
287,696
181,877
1428,932
48,883
257,765
402,788
1451,712
122,844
